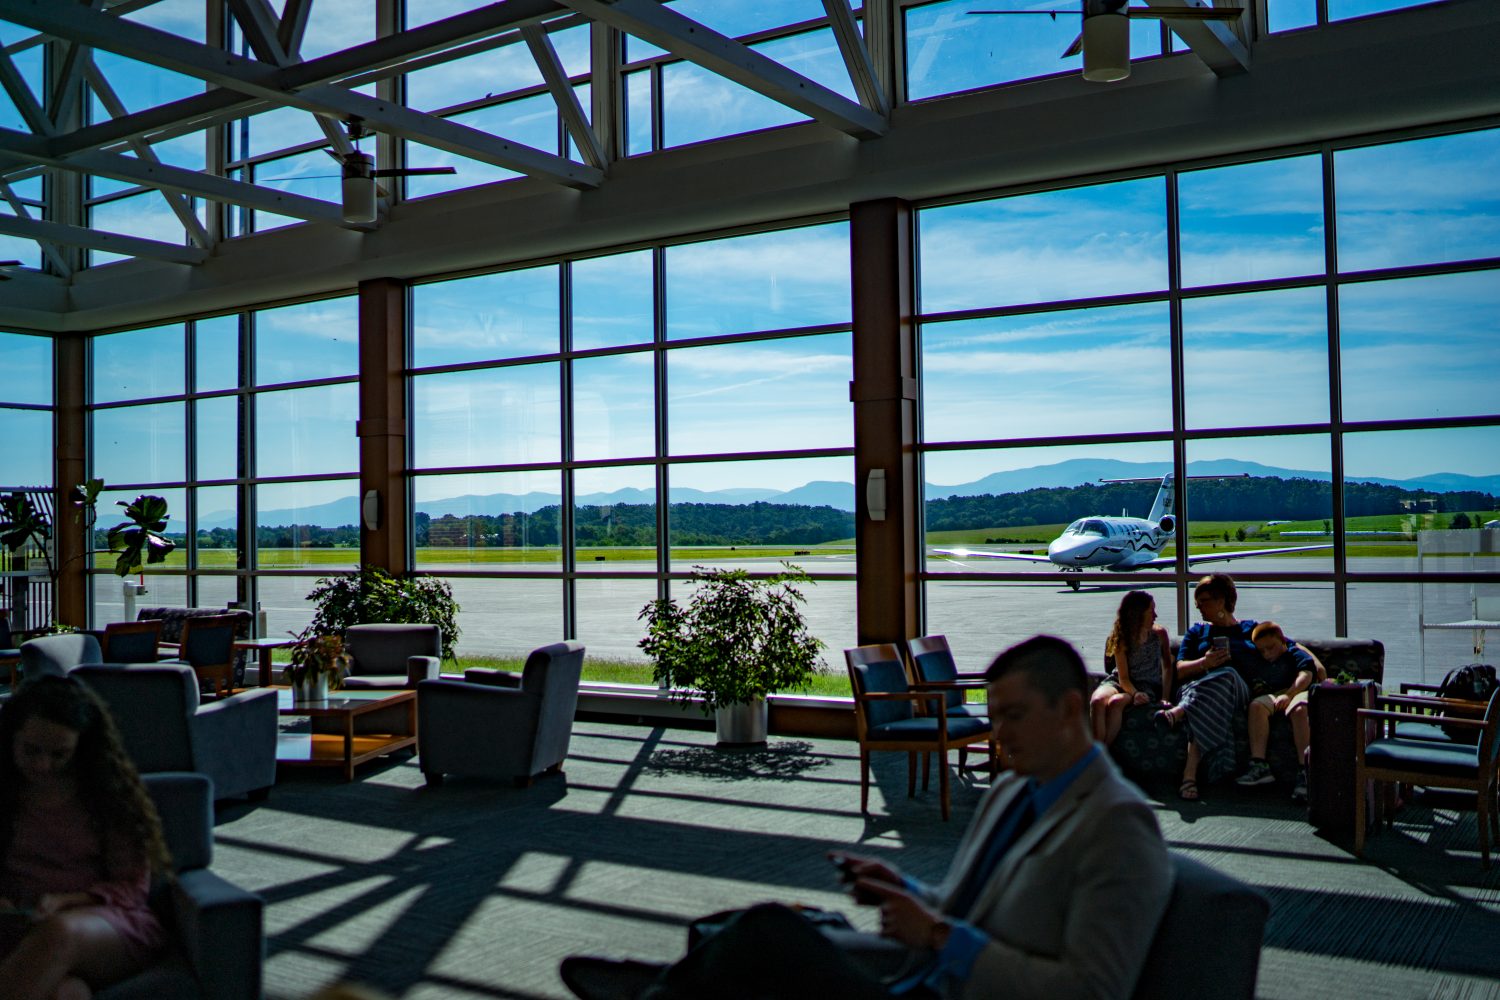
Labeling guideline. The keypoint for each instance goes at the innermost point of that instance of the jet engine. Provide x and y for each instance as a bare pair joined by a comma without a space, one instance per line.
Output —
1167,524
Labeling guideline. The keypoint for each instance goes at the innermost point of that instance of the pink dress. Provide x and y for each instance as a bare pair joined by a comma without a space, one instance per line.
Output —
59,849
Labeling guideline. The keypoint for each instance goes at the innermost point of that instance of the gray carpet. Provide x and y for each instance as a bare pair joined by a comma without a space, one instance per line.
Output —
479,890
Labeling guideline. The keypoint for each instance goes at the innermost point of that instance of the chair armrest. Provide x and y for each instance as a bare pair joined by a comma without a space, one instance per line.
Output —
220,927
421,668
493,678
948,685
1448,720
1433,704
933,700
1409,688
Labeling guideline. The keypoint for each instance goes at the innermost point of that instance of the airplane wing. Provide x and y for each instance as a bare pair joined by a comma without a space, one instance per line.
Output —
974,553
1212,556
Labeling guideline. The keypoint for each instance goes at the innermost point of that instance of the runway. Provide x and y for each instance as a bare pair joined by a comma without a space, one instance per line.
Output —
980,617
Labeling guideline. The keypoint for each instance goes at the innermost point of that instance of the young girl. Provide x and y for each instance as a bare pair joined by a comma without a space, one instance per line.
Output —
79,840
1142,672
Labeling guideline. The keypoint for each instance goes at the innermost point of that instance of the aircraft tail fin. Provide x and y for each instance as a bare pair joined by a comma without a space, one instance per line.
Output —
1165,501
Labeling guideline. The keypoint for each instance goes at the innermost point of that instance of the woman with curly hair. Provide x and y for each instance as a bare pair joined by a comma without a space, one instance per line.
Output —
1141,653
79,842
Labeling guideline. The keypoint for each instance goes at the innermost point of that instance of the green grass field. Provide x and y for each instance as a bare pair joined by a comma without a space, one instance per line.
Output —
630,558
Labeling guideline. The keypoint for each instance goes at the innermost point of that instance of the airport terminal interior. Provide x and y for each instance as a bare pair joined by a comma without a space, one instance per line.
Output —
981,313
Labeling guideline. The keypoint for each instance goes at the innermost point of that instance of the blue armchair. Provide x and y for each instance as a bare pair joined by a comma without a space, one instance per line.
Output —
392,655
507,726
58,654
217,938
164,728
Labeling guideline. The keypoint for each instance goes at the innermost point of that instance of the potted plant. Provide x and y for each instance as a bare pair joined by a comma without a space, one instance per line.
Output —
366,596
318,665
735,641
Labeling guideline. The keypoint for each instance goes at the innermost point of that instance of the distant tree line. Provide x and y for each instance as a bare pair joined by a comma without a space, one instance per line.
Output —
634,525
1255,498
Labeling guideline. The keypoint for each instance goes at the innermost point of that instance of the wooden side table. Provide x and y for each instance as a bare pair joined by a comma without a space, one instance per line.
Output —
262,649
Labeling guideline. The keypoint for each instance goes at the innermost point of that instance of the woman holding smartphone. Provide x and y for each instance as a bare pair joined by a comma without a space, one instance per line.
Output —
1216,692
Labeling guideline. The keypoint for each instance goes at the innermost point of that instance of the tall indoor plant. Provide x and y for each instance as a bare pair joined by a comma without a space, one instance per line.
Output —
370,595
735,641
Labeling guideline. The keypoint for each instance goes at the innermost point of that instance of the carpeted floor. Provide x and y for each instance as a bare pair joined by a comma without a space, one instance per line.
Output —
479,890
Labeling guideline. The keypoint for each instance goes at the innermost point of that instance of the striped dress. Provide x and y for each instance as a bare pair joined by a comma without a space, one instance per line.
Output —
1212,702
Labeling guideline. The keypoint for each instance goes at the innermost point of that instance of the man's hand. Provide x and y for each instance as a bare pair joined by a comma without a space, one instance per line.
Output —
853,867
1140,698
1279,703
902,917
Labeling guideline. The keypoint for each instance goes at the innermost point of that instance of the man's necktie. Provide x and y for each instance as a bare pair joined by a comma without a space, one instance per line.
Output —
1017,820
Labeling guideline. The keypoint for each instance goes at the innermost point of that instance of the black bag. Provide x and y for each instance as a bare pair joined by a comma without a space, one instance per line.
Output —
1470,682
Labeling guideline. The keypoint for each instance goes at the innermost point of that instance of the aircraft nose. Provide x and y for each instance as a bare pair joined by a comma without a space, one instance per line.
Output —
1063,550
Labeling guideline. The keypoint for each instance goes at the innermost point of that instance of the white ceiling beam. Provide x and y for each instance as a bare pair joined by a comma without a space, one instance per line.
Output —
856,56
262,30
293,24
179,203
1212,41
20,94
74,236
687,39
20,146
21,209
168,51
563,93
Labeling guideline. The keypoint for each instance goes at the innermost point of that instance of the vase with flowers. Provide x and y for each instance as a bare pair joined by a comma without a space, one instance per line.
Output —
319,664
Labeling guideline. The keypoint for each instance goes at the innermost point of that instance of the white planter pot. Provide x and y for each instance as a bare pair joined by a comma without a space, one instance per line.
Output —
741,724
314,687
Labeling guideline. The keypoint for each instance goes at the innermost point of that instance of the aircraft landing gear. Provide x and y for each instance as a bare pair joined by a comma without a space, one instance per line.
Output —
1075,584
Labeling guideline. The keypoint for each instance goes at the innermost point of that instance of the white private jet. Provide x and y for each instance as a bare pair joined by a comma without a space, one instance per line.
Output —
1122,543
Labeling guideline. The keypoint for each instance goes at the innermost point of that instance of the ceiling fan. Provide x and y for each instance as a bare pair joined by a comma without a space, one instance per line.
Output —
359,173
5,266
1105,38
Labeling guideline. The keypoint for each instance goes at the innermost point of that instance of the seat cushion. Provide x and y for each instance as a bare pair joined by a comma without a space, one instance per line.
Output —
969,710
926,728
377,682
1439,759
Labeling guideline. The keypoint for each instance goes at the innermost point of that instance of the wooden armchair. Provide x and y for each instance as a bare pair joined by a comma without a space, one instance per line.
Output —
934,669
886,718
132,642
1397,757
208,647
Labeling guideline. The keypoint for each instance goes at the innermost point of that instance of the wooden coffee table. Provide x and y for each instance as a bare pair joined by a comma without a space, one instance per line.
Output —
345,749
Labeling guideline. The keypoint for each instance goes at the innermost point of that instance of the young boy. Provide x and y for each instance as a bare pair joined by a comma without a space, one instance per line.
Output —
1280,685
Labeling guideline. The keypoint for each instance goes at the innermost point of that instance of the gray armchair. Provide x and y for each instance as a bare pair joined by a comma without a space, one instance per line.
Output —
217,938
1208,911
58,654
392,656
164,728
512,726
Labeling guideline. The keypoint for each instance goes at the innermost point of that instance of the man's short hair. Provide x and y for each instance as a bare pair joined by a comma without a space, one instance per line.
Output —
1221,585
1051,665
1269,628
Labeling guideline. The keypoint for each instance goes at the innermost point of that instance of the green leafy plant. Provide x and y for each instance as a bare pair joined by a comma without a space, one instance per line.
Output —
140,535
315,653
370,595
736,639
22,522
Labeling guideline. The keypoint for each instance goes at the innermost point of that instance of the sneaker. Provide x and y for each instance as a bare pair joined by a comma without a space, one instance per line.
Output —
608,979
1299,788
1259,774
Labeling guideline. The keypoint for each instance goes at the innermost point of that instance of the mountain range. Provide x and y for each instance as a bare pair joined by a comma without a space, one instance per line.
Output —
840,496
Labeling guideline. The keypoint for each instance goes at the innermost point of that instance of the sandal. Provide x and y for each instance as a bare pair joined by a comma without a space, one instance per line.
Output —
1188,790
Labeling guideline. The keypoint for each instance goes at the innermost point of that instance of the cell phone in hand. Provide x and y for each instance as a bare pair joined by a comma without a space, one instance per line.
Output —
845,866
1221,643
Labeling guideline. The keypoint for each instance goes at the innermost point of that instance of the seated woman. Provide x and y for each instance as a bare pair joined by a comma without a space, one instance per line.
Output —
1212,652
79,840
1142,674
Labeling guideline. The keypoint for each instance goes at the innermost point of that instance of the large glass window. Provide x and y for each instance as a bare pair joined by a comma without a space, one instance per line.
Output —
1255,403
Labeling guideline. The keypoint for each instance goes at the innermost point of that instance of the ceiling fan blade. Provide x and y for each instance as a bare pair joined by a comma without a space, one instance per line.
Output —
1075,48
410,171
336,157
10,263
1187,13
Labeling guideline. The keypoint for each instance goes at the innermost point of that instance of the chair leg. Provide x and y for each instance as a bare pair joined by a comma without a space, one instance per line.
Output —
943,782
1484,828
926,768
864,780
911,775
1359,814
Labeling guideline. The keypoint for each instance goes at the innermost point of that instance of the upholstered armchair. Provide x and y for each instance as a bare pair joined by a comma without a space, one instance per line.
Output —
164,728
507,725
58,654
217,945
392,656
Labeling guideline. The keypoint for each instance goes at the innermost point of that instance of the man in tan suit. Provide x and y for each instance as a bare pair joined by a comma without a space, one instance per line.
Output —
1055,891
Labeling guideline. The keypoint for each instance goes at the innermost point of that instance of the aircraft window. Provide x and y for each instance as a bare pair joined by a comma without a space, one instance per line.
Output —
1074,528
1094,528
